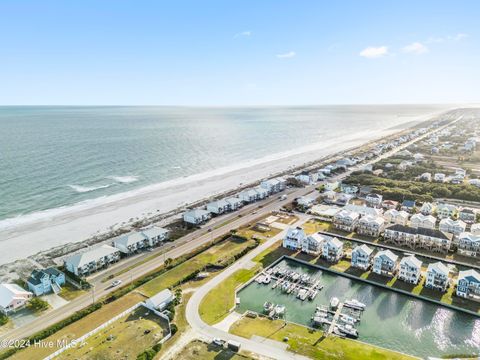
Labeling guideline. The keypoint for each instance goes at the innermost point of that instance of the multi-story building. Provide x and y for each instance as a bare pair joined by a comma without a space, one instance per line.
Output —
374,200
423,221
385,263
332,249
371,225
414,238
362,257
469,244
294,238
437,276
346,220
467,215
410,269
396,217
455,227
446,210
468,285
92,260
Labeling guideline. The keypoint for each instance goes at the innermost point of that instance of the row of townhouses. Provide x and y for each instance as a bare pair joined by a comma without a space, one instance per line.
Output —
328,247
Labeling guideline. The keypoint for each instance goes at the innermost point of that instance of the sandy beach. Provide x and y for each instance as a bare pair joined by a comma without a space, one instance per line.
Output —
43,231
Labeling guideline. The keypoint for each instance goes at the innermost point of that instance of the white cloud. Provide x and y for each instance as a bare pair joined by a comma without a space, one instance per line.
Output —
456,37
247,33
289,54
415,48
373,52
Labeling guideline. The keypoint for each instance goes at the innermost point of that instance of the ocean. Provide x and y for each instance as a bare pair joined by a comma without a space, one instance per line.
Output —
54,157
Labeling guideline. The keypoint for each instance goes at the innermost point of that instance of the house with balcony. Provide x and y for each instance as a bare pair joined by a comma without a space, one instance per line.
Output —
423,221
13,298
427,208
218,207
46,281
410,269
196,216
469,244
455,227
92,260
294,238
307,201
437,276
362,257
393,216
131,243
468,284
374,200
363,210
401,235
385,263
332,249
274,185
234,203
371,225
389,204
446,210
467,215
248,196
155,235
346,220
313,244
434,240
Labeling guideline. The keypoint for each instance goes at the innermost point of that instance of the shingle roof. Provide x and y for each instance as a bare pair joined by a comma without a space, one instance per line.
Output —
89,256
420,231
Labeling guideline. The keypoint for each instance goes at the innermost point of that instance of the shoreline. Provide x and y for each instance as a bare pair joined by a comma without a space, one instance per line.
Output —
167,199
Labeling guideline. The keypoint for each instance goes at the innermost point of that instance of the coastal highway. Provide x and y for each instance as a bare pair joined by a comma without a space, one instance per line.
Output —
173,250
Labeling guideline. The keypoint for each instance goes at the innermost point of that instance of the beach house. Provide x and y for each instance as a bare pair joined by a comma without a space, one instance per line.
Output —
12,298
468,284
248,195
218,207
469,244
294,238
393,216
423,221
274,185
155,235
313,244
410,269
331,185
261,193
196,216
467,215
446,210
234,203
45,281
385,263
408,205
348,189
332,249
92,260
389,204
374,200
371,225
346,220
437,276
307,201
131,243
362,257
427,208
363,210
430,239
455,227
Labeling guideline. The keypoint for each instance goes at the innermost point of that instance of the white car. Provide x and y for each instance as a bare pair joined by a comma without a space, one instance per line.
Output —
218,342
116,282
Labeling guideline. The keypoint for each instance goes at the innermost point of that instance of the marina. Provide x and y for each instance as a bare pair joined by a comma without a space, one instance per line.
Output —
408,325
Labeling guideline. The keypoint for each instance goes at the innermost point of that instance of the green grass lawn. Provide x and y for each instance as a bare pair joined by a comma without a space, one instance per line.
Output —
307,342
70,292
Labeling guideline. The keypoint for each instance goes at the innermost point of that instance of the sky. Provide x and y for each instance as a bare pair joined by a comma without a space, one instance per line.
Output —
227,53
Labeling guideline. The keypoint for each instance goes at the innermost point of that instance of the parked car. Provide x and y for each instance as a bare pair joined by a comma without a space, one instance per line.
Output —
116,282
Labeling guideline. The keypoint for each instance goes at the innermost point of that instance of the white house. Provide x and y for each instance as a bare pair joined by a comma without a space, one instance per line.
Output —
423,221
332,249
131,242
468,285
313,244
469,244
331,185
218,207
362,257
248,195
371,225
467,215
155,235
346,220
13,297
446,210
396,217
437,276
159,301
261,193
234,202
294,238
385,263
306,201
414,238
455,227
92,260
363,210
427,208
196,216
273,185
374,200
307,178
410,269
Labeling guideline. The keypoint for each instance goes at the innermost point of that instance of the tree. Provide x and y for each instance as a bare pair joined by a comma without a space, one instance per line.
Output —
36,304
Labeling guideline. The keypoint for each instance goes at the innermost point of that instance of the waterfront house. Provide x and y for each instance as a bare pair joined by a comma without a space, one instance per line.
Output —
469,244
410,269
362,257
234,203
468,285
12,298
385,263
131,243
346,220
423,221
371,225
155,235
408,205
307,178
363,210
274,185
446,210
218,207
92,260
396,217
159,301
389,204
332,249
467,215
437,276
248,195
431,239
294,238
261,193
313,244
45,281
427,208
455,227
374,200
196,216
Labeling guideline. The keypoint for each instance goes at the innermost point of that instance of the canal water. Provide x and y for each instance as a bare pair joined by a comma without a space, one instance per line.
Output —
391,320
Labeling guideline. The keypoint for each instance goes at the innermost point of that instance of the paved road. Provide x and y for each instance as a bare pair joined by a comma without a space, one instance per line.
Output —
173,250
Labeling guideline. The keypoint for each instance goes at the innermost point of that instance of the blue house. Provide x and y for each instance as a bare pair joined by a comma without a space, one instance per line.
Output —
45,281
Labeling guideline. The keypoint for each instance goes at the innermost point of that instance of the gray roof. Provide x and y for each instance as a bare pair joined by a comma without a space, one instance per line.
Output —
154,231
89,256
129,239
469,275
439,268
196,213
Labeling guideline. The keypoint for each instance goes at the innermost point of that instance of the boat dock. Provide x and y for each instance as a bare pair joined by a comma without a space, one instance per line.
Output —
335,319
